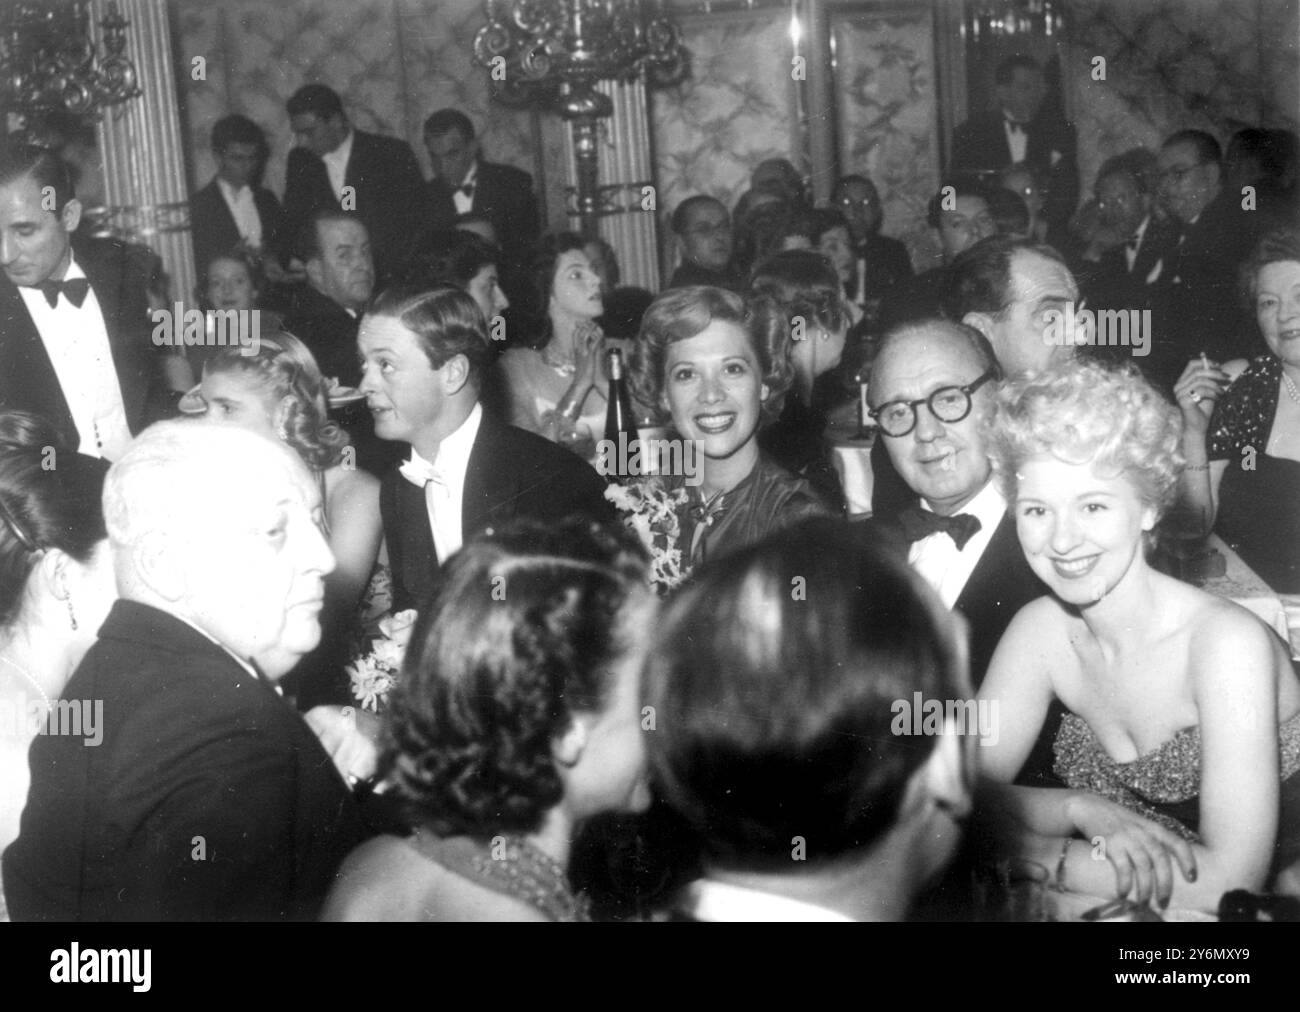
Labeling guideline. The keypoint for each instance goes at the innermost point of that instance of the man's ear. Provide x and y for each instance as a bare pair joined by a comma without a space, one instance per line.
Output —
70,216
567,748
455,374
157,566
314,274
942,781
983,322
472,148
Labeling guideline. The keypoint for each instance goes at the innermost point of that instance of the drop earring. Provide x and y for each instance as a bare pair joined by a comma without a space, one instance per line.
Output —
72,615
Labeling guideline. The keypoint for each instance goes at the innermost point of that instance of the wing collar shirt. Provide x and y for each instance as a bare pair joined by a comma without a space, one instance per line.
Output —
936,557
336,164
444,484
465,201
76,340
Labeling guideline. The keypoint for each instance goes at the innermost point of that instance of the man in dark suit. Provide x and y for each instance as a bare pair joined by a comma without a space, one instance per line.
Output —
706,242
883,262
233,209
335,166
1198,307
464,182
205,797
468,472
74,323
932,389
1022,130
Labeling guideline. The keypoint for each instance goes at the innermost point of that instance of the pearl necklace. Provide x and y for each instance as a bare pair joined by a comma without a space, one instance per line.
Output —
31,681
1291,390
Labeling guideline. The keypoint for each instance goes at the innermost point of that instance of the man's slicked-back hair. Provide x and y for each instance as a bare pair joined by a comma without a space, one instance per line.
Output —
42,165
776,715
317,99
1206,147
1007,67
979,278
307,244
236,129
445,320
445,120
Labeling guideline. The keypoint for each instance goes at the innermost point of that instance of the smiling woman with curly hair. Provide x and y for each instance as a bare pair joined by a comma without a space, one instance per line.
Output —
1181,750
516,719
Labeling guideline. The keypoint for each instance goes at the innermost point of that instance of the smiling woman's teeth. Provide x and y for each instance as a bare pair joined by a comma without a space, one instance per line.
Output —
714,423
1075,567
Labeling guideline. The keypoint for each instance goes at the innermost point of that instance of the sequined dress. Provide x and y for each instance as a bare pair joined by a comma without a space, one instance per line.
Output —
1164,784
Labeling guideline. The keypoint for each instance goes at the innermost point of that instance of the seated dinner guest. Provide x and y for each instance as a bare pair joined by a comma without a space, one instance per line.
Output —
1181,747
424,355
1243,446
776,734
556,388
714,363
279,392
206,797
56,586
517,717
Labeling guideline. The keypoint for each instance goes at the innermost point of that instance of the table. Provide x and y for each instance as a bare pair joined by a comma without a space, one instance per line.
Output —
851,458
1243,586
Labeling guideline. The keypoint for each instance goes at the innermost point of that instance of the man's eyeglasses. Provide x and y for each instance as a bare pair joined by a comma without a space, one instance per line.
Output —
1176,176
948,404
720,228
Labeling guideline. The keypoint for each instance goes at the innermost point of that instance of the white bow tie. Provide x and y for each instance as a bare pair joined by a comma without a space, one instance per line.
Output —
419,472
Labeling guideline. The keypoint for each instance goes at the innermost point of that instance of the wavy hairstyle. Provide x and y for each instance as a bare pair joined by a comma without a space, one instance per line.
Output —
804,283
282,366
1082,411
775,716
681,313
43,506
522,635
541,273
1278,246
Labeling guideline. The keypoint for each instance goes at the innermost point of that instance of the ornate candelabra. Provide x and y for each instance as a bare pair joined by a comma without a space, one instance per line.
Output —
48,62
552,53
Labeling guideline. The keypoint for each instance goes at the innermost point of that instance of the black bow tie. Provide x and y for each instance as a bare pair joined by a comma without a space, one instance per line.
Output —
467,189
1016,128
918,523
74,288
1132,243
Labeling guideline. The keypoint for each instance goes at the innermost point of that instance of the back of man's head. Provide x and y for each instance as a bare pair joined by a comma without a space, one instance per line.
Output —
316,99
776,687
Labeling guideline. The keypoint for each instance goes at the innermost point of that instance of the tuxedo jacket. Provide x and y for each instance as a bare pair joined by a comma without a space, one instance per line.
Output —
505,195
389,193
118,276
887,265
208,798
980,145
999,586
512,473
328,330
213,227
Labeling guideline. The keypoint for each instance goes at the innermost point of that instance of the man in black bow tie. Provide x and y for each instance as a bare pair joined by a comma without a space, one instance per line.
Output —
74,322
463,181
1022,129
931,389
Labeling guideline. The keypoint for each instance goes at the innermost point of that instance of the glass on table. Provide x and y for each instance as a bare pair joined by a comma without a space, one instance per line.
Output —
1012,889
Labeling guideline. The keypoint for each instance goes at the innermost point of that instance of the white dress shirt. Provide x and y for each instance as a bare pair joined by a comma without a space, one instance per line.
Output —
444,496
465,204
936,558
1017,140
243,208
76,340
336,164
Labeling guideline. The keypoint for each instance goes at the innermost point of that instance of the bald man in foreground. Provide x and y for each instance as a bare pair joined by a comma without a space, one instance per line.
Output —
208,798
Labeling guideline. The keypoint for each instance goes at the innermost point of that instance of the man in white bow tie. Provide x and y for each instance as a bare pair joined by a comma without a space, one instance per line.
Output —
424,354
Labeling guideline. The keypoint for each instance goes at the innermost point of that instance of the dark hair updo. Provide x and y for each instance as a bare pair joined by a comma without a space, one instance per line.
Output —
50,497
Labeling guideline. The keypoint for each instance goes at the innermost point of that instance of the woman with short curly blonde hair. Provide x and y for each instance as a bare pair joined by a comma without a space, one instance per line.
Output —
1181,747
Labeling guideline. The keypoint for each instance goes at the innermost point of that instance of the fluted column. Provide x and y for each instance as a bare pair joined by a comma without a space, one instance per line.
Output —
145,187
623,145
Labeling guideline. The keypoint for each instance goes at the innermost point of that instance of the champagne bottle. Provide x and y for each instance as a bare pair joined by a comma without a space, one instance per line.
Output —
620,423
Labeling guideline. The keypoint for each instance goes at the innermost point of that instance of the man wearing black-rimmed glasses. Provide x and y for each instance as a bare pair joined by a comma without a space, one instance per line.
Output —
931,391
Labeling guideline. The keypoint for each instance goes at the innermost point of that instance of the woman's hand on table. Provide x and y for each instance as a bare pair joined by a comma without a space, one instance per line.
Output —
1197,391
1141,852
350,736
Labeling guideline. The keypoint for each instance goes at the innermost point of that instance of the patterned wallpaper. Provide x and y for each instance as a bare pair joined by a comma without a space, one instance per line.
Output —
393,61
886,100
735,109
1172,64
